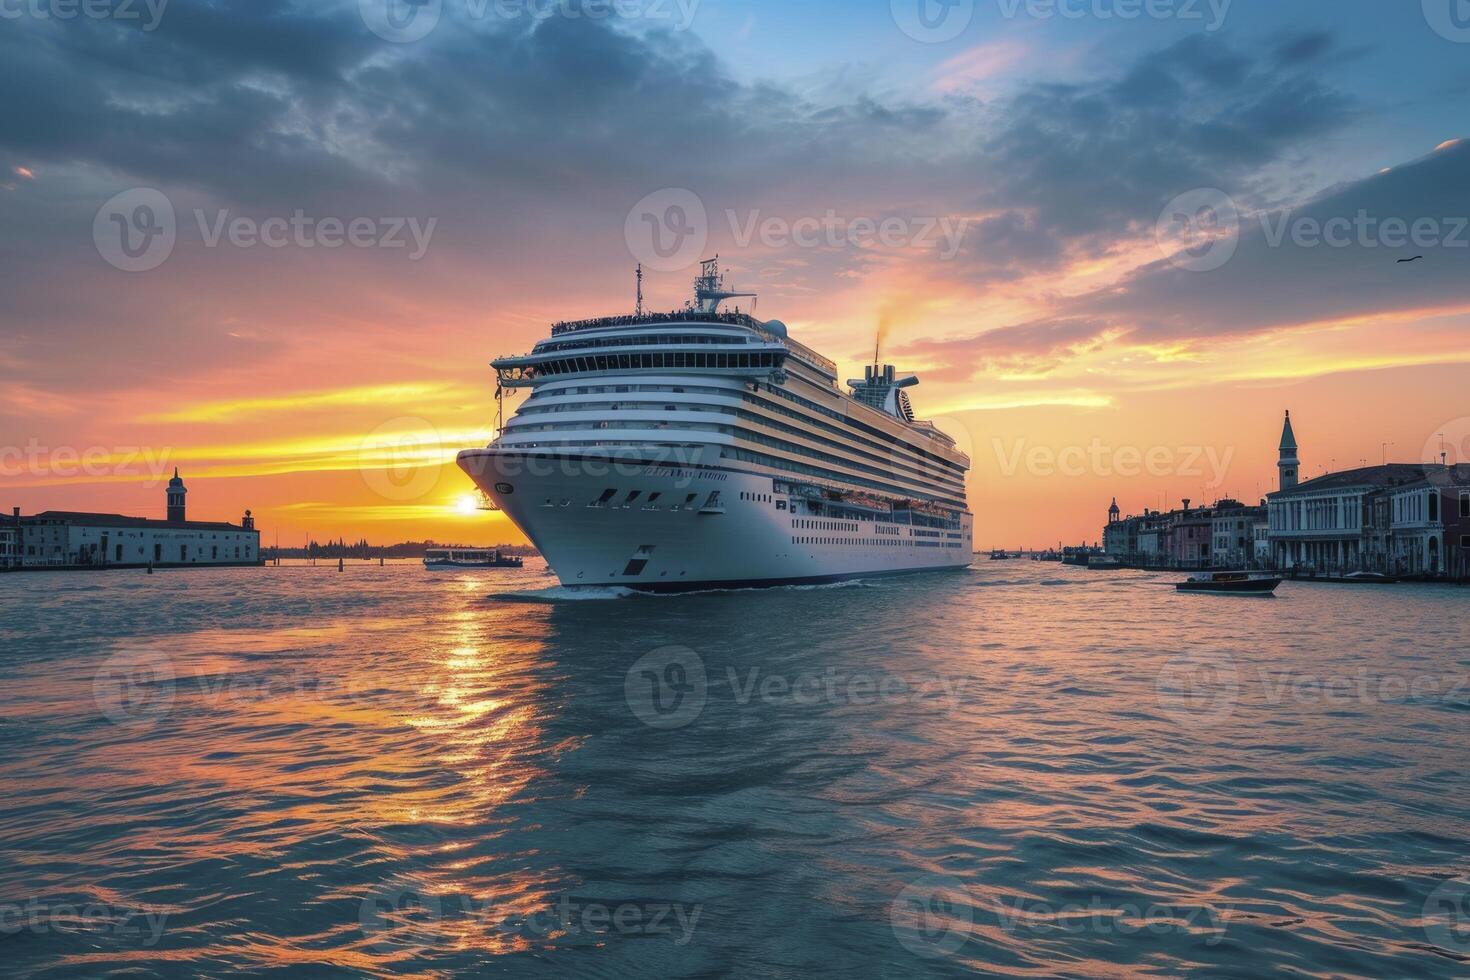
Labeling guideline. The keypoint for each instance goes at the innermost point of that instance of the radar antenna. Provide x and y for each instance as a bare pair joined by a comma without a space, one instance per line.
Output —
710,289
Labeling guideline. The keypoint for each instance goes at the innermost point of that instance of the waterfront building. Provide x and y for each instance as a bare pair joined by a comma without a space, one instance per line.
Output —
9,557
1336,523
1233,533
1120,537
1150,547
1261,539
1193,537
1408,519
1457,524
1396,518
72,539
1426,523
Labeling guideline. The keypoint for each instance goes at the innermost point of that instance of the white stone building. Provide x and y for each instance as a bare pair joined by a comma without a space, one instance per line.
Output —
70,539
1417,529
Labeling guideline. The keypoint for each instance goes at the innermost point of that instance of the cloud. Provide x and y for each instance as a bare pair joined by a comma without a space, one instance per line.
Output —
1282,275
1032,348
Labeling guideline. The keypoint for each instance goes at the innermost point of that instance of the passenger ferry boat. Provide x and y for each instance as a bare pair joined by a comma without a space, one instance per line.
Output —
706,448
470,558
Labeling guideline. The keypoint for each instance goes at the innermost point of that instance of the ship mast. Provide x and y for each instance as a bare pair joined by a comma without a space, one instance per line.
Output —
710,289
639,308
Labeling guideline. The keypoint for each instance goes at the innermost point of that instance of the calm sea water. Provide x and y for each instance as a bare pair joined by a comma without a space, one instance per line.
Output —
1021,769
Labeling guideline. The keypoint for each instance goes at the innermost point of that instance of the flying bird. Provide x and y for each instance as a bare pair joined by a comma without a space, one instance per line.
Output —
1414,259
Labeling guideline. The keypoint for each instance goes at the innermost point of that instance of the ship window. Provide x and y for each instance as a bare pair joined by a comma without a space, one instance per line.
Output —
653,497
633,495
1465,505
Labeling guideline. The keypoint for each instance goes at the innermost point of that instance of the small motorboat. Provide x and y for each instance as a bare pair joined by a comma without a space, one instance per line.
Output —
1103,562
1000,555
1232,583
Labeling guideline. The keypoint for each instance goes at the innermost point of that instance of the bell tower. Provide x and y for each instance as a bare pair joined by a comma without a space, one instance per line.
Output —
176,492
1114,514
1289,465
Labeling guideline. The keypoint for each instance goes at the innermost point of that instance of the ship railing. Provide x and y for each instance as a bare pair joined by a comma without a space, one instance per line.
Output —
697,316
650,319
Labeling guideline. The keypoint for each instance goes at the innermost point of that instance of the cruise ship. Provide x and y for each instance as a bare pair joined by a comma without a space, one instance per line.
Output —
706,448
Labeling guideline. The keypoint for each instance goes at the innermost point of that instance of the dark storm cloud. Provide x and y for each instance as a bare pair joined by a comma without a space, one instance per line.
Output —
1278,277
533,140
1099,157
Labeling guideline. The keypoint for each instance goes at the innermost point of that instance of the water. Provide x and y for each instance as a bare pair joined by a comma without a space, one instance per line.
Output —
1020,769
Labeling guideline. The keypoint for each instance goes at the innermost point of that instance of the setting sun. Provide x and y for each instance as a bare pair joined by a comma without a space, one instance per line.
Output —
466,505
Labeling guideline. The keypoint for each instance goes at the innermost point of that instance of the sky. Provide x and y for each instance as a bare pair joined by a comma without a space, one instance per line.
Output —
275,244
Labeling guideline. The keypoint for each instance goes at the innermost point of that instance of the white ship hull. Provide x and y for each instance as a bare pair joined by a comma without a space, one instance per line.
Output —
674,543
